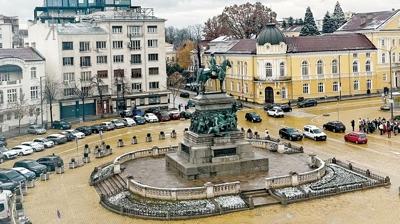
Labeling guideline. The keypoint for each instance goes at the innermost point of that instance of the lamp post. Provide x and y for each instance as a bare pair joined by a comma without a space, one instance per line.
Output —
391,80
41,100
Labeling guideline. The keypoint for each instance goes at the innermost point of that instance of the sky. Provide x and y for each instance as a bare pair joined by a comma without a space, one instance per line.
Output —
181,13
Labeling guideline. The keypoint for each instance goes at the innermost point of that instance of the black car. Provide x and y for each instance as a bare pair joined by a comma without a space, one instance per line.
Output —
62,125
96,128
335,126
139,120
153,110
31,165
253,117
186,114
51,162
286,107
269,106
70,136
238,105
290,134
184,95
9,186
307,103
85,130
7,175
3,141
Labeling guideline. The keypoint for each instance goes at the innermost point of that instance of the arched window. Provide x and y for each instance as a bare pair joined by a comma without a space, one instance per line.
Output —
368,66
356,85
33,73
268,69
245,69
334,66
238,68
321,87
320,67
304,68
393,57
383,58
355,67
282,69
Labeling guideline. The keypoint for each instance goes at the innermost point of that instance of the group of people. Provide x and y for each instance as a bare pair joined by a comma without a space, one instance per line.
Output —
181,106
383,125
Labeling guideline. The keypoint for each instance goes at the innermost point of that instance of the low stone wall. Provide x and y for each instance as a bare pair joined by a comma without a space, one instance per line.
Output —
276,145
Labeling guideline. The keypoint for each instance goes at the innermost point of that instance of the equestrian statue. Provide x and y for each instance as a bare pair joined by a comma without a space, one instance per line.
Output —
213,72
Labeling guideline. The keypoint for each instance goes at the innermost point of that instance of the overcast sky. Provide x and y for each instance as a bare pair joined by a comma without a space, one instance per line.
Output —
187,12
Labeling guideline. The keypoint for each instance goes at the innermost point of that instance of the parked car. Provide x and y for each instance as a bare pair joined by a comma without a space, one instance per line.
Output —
356,137
238,105
36,130
9,175
45,142
175,115
307,103
85,130
29,175
23,150
184,95
275,112
9,186
5,206
37,147
313,132
118,123
129,121
51,162
126,113
3,141
96,128
74,132
335,126
107,126
163,116
286,107
70,137
150,117
57,138
8,154
152,110
31,165
2,157
385,107
253,117
185,114
397,117
62,125
291,134
139,120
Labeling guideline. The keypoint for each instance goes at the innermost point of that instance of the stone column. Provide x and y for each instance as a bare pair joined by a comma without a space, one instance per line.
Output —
281,148
313,160
295,179
155,151
209,189
117,168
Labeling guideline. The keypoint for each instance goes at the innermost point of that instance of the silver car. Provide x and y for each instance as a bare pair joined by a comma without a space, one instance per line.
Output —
36,130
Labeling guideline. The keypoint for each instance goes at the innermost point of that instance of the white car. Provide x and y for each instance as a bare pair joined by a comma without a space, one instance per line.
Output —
313,132
23,150
275,112
47,143
129,121
35,145
150,117
118,124
9,154
76,133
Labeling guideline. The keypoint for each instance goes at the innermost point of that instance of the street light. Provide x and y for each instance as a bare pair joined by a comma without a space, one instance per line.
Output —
41,99
391,79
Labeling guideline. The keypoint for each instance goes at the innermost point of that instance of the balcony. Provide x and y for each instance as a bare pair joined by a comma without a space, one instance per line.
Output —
134,35
10,82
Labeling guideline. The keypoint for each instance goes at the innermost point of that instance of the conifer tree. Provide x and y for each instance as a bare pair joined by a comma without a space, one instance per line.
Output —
309,28
338,16
328,25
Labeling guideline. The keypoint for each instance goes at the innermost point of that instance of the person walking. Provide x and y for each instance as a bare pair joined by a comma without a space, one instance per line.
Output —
180,107
389,129
380,127
266,134
353,123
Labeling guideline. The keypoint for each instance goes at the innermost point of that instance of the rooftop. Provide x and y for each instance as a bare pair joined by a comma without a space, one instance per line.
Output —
26,54
79,29
129,15
367,21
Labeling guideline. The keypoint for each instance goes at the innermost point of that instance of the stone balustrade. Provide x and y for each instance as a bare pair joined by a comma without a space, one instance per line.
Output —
227,188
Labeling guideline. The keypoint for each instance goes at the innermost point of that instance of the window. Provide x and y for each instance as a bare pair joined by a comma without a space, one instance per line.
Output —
304,68
382,42
134,45
384,77
68,77
118,58
368,55
104,89
8,116
321,88
368,66
282,69
69,92
393,42
11,95
34,92
238,87
154,100
320,67
153,57
245,69
134,31
355,67
153,85
153,71
355,55
86,76
68,61
103,74
306,89
268,69
393,57
334,66
335,87
369,84
116,29
101,44
283,93
136,59
232,86
383,58
246,88
136,73
67,46
1,97
102,59
356,85
137,86
84,46
118,44
152,43
85,61
152,29
119,73
33,73
5,77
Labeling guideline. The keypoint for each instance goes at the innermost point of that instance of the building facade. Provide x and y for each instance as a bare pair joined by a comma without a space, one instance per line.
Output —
21,71
124,50
276,69
9,32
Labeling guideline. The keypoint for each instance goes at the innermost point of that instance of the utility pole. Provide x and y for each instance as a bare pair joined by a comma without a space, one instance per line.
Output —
391,83
41,100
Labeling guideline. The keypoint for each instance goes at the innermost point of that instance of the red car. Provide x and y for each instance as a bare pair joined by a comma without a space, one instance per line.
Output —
356,137
175,115
163,116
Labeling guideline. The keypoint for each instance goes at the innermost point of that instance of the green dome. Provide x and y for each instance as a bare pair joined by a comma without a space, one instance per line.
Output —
270,34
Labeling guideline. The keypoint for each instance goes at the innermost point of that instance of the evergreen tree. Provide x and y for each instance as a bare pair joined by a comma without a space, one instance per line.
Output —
290,21
300,22
328,25
338,16
309,28
284,24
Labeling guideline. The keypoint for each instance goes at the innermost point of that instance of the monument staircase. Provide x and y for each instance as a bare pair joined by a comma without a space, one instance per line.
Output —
259,197
111,186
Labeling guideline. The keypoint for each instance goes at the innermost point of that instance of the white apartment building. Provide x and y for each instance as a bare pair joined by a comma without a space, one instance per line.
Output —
8,27
21,71
125,48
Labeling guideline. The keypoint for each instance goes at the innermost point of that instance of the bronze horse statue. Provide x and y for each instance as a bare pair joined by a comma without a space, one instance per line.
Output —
203,75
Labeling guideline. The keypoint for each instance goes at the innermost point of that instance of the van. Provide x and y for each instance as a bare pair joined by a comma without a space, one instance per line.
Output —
5,206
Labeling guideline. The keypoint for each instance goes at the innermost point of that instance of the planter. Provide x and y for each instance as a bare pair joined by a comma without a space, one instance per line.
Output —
86,159
30,184
60,170
44,176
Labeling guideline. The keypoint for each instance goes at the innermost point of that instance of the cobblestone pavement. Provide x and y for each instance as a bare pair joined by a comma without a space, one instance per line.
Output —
79,203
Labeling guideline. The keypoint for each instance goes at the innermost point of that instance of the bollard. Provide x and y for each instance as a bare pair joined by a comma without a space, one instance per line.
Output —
108,150
120,143
72,164
86,159
134,140
148,137
173,134
44,176
30,184
59,169
161,136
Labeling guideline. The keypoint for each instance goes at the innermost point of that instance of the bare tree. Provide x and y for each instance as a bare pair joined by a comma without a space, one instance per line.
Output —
197,35
82,92
214,28
51,93
34,111
97,83
20,109
175,81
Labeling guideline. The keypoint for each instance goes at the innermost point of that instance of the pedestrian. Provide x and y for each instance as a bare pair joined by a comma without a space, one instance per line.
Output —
353,123
179,106
381,128
359,125
266,134
389,129
289,103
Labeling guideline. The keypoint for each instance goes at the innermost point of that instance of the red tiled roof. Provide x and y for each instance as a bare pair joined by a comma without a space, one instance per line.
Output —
247,46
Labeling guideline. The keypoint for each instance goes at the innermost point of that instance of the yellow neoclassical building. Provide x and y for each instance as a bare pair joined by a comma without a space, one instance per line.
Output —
277,69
